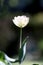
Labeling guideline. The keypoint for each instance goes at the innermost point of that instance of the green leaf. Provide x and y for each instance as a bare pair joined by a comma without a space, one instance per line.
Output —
25,40
2,57
3,60
21,50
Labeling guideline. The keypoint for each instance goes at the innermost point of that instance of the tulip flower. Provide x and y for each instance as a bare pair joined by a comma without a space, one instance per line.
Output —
21,21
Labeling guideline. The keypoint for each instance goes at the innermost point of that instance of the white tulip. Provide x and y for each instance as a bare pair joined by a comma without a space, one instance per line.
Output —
2,63
21,21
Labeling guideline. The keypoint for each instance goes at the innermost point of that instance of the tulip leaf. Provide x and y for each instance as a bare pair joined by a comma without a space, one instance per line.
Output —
21,51
25,40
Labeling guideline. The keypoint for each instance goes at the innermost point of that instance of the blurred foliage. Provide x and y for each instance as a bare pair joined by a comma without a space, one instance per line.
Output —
1,2
40,44
2,58
37,19
6,6
13,3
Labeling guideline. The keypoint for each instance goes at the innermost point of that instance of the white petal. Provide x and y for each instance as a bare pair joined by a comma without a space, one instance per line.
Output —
21,21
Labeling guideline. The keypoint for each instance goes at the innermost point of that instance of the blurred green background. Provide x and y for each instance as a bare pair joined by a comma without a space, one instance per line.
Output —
9,33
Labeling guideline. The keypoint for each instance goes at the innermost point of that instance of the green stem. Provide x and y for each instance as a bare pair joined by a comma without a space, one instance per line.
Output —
20,37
